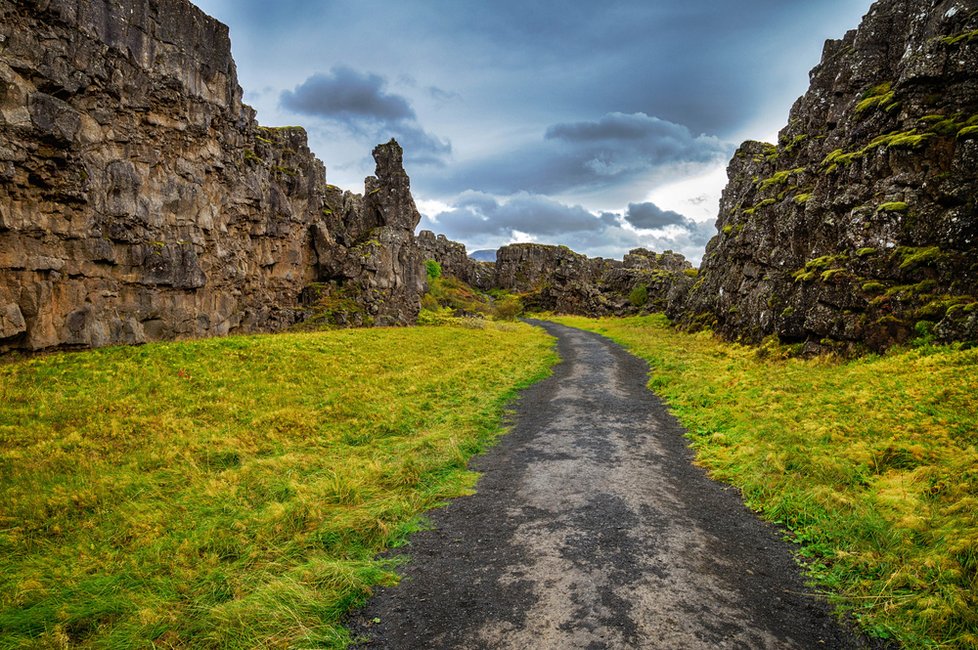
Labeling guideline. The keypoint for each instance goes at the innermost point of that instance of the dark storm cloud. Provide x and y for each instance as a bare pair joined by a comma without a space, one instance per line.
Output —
588,156
361,103
345,94
651,216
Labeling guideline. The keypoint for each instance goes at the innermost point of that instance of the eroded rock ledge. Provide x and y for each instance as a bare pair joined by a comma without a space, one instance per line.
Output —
860,227
140,200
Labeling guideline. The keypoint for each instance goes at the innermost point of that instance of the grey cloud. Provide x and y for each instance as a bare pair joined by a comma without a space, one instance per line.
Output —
477,202
651,216
360,103
618,126
442,95
673,226
345,94
701,232
483,221
583,157
621,140
481,214
420,146
609,218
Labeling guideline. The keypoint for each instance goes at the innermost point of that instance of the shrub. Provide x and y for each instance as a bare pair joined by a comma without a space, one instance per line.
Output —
507,307
433,269
639,295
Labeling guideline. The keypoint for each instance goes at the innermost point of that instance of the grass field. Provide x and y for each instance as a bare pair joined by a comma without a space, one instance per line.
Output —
234,492
871,464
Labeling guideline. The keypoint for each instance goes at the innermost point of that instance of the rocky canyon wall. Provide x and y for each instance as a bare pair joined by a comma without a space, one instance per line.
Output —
860,226
455,261
555,278
140,200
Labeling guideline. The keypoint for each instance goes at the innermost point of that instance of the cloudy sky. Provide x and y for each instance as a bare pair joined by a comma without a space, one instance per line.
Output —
599,125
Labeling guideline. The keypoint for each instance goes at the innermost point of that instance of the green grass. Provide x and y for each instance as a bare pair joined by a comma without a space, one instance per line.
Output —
871,465
449,298
234,492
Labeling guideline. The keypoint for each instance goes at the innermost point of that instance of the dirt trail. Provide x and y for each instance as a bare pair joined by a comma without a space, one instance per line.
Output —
591,529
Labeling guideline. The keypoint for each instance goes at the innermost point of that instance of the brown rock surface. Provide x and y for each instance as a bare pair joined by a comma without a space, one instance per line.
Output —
860,227
140,200
555,278
454,260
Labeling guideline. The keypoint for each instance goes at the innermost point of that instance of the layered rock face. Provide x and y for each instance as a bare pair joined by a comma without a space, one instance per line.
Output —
371,270
555,278
860,226
140,200
455,261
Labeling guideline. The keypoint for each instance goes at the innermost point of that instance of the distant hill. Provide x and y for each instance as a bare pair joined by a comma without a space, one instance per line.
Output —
483,256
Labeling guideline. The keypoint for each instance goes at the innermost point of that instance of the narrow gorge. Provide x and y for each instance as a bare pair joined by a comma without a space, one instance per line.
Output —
140,199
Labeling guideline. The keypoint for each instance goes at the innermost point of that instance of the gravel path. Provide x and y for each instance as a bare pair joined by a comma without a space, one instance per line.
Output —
591,529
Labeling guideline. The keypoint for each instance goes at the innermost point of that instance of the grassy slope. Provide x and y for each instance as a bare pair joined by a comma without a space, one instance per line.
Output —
871,464
234,492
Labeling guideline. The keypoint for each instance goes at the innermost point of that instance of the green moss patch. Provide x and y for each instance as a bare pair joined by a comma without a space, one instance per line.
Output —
893,206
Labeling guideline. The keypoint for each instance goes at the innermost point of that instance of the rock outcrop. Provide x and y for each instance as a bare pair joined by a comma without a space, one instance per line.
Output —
455,261
555,278
859,228
140,200
371,270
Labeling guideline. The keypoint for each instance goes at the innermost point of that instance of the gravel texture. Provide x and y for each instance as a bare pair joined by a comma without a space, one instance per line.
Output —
591,528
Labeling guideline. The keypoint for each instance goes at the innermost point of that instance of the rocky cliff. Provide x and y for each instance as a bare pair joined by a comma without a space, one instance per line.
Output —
370,268
140,200
859,227
555,278
455,261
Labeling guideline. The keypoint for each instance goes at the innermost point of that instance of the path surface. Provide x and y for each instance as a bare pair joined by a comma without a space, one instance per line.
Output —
591,529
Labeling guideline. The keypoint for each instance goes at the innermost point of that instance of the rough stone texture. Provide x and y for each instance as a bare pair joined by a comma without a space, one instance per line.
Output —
859,228
140,200
555,278
371,270
455,261
592,528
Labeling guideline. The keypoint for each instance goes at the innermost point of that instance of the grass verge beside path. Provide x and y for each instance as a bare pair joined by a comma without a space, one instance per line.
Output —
871,464
234,492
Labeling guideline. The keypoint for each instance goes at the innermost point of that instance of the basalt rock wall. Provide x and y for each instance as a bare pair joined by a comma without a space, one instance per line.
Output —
555,278
140,200
860,226
455,261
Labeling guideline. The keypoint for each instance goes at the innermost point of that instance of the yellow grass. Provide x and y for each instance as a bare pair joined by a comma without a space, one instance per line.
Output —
871,464
234,492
